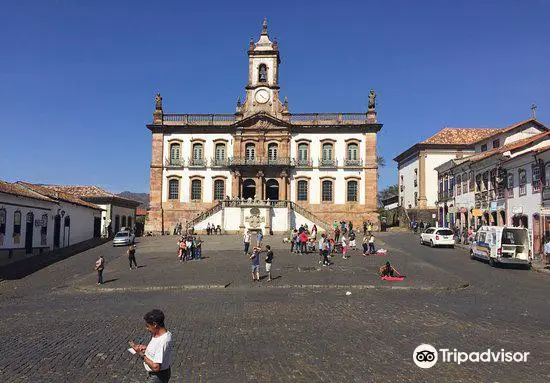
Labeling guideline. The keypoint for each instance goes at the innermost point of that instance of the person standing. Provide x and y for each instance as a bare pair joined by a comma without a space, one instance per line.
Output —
132,255
255,264
268,262
324,248
208,229
369,227
246,241
198,247
372,247
189,247
366,244
546,259
336,234
293,239
314,232
157,355
100,266
260,238
181,249
352,244
344,247
303,242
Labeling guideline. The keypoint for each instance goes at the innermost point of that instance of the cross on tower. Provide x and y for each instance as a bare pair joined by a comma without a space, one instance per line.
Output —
534,110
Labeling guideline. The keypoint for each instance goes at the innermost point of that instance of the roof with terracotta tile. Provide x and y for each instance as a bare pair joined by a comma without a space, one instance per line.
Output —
58,195
19,190
509,147
464,136
92,192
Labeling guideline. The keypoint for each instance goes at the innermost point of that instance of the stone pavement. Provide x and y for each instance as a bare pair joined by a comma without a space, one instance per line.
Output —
57,326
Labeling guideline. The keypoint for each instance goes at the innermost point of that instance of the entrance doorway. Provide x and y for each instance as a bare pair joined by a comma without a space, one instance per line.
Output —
56,231
29,232
249,189
502,218
272,190
97,227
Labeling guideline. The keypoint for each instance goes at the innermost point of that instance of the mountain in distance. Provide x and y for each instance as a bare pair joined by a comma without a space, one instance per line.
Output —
141,197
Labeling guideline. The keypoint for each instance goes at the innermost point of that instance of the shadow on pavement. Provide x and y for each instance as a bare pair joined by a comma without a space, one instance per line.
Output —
24,267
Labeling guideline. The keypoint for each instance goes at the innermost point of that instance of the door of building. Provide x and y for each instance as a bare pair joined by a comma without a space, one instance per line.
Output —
29,232
249,189
272,190
97,227
56,231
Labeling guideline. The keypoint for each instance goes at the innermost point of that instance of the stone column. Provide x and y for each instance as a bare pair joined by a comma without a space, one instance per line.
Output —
422,200
236,184
260,192
155,223
283,187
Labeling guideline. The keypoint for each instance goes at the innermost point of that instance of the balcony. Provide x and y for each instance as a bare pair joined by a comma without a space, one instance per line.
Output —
260,161
328,163
174,162
219,162
353,163
482,200
444,196
197,163
303,163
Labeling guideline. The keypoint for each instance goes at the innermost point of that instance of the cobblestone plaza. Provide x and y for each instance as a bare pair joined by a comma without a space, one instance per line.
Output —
58,326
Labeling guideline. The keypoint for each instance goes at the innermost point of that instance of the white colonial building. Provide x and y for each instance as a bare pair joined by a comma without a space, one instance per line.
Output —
320,166
34,219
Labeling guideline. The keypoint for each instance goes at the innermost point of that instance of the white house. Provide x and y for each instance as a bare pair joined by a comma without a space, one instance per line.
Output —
33,220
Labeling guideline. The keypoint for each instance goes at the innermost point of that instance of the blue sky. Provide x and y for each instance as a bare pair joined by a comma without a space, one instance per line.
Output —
78,78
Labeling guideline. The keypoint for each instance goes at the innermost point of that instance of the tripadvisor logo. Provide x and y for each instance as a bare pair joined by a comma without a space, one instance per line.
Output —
426,356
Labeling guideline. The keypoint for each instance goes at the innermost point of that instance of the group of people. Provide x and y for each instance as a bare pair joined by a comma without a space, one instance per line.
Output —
189,247
100,263
254,259
212,229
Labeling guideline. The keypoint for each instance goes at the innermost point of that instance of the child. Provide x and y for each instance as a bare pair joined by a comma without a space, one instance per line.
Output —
181,249
372,248
366,245
388,271
268,261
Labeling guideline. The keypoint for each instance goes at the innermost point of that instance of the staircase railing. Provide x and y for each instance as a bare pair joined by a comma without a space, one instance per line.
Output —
309,215
205,214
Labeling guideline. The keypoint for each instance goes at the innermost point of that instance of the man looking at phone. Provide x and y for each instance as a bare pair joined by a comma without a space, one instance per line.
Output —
157,355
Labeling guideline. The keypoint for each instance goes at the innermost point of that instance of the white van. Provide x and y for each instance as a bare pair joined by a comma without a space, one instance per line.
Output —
502,244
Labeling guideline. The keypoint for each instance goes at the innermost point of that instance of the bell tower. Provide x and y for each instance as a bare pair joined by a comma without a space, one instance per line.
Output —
262,90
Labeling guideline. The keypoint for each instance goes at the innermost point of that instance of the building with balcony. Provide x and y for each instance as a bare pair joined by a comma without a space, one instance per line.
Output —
323,162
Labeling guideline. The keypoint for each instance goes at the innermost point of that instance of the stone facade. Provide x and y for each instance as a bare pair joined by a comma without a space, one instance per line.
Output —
324,162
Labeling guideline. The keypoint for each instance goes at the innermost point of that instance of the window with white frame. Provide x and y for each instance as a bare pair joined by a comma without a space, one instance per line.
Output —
327,152
353,152
250,151
272,151
16,227
175,153
197,153
220,153
303,153
522,182
302,190
510,184
173,188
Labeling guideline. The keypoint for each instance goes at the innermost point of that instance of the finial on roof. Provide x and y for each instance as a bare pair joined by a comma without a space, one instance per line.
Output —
285,103
264,26
239,101
372,100
534,111
158,102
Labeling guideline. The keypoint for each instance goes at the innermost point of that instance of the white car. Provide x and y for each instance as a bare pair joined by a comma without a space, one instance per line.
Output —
124,237
438,236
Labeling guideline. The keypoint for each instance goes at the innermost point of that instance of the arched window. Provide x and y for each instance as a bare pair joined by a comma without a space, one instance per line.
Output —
250,151
220,154
219,190
326,192
196,190
16,227
175,154
123,222
353,152
262,73
197,154
2,225
272,152
302,190
327,152
352,191
303,153
173,188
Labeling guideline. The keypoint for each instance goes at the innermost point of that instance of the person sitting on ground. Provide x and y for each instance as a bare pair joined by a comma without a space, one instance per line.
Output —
388,271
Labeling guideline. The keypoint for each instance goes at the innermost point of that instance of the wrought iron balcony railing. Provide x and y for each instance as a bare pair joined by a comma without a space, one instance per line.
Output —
174,162
219,162
327,163
353,163
197,162
279,161
303,163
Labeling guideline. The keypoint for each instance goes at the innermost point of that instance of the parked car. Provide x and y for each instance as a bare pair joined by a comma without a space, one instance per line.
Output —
500,244
438,236
123,237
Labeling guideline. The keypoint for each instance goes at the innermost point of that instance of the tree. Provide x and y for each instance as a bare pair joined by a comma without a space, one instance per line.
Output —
381,161
390,191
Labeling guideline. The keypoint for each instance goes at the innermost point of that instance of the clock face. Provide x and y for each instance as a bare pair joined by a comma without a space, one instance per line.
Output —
262,96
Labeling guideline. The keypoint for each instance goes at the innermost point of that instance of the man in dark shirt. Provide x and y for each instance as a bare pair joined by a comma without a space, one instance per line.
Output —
268,261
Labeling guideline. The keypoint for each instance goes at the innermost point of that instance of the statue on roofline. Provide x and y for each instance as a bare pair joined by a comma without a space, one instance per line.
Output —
158,102
372,99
